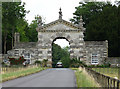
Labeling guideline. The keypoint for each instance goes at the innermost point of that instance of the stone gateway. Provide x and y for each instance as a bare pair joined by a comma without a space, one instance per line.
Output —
91,52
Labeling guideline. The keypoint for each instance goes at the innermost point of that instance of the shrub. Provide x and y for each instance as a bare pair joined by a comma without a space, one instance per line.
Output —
38,62
76,63
18,61
102,66
44,62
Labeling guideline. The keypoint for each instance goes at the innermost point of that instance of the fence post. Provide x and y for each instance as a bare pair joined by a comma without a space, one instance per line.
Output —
108,82
114,83
119,73
118,84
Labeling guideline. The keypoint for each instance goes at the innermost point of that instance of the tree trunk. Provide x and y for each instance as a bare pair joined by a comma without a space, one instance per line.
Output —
12,37
5,42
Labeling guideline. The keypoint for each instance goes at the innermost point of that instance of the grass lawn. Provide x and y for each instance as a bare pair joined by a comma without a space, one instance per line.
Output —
84,79
20,72
112,72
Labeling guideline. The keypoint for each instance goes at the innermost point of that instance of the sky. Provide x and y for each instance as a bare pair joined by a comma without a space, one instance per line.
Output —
49,9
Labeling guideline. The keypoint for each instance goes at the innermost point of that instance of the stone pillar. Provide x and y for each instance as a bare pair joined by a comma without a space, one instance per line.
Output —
44,48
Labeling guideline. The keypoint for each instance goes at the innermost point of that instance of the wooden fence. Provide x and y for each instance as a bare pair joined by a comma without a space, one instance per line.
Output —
103,80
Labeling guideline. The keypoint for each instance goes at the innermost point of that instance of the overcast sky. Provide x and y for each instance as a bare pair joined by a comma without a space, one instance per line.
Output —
49,9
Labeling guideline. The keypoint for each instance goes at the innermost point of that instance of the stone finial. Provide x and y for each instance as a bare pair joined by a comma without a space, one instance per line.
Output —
80,25
60,14
39,21
106,43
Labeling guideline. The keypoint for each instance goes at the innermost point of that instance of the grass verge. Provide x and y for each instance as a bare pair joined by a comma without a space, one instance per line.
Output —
84,79
112,72
21,73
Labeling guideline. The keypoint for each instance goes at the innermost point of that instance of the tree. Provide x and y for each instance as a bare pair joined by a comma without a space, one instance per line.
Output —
11,13
65,58
101,23
60,54
87,10
23,28
32,33
56,54
67,48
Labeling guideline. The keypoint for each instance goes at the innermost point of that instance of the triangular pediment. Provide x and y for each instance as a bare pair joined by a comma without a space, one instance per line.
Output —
59,25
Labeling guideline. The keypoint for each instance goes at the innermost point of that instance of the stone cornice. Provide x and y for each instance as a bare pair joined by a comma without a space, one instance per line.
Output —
59,30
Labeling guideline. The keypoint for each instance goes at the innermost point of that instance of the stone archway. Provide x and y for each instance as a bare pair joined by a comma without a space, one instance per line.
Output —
61,28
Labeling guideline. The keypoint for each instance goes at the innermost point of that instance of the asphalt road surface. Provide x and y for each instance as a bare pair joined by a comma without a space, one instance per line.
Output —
55,77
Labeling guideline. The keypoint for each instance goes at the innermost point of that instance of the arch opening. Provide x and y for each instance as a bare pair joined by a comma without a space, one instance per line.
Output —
60,52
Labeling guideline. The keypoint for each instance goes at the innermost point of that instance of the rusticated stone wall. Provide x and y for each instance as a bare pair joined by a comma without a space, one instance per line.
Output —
96,47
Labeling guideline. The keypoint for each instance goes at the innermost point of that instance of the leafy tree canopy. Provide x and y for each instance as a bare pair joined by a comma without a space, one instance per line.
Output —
59,54
12,14
101,23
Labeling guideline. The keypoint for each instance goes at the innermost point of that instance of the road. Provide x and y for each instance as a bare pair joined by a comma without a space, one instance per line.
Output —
55,77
